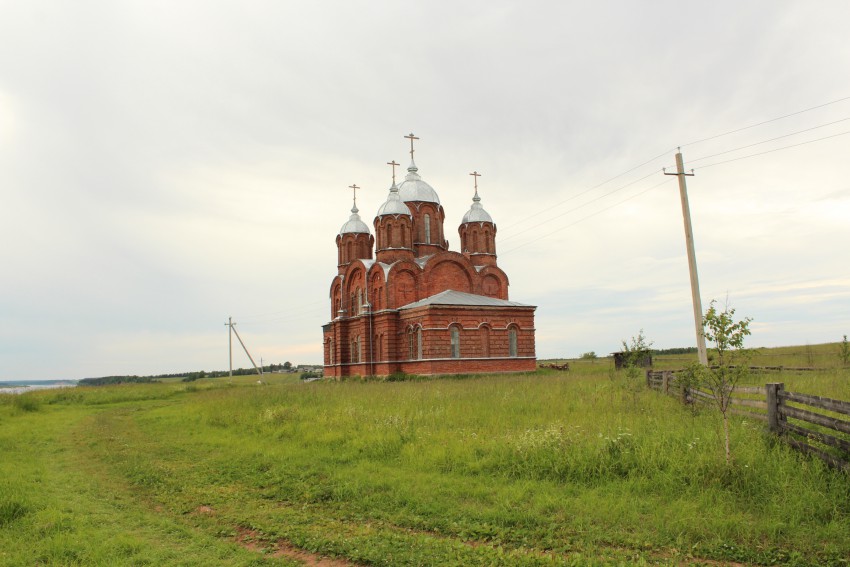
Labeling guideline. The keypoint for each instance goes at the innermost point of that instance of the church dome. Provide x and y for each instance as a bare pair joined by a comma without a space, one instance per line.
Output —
476,213
413,188
394,204
355,224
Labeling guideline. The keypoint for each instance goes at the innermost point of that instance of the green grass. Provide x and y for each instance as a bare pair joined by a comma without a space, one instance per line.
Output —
544,469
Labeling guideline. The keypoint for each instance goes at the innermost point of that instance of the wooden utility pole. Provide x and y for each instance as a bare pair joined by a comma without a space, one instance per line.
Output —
692,259
230,343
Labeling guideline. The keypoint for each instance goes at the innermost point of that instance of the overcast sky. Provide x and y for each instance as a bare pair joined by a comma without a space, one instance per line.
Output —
165,165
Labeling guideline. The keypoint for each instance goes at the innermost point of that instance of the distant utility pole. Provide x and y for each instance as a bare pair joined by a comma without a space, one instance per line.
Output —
233,330
692,259
229,325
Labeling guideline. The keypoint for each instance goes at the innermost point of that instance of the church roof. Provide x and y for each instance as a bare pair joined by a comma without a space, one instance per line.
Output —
413,188
452,297
393,204
476,213
354,223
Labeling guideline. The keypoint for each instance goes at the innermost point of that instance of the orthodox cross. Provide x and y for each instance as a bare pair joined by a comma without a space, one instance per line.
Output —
411,137
393,163
475,175
355,188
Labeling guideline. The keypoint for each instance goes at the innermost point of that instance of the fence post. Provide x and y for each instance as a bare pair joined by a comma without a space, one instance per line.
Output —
648,381
774,420
665,381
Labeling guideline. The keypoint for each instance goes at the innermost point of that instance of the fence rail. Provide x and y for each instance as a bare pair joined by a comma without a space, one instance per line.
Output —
824,435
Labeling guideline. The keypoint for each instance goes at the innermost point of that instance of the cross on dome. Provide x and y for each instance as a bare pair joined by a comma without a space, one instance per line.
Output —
411,137
475,175
393,164
355,188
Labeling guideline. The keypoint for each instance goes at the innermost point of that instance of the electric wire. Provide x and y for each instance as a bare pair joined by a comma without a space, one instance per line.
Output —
538,225
774,150
600,211
690,161
765,122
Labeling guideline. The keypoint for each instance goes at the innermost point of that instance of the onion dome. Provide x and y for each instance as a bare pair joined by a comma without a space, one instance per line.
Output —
355,223
476,213
414,189
394,204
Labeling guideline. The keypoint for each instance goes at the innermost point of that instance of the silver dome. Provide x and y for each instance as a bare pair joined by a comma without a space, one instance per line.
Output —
476,213
354,224
414,189
394,204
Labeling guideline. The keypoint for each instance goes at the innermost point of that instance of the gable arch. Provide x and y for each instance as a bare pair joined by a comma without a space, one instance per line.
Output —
450,270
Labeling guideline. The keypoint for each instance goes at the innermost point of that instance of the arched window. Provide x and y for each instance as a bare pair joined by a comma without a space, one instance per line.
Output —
475,241
389,240
410,347
418,343
331,351
455,335
487,247
359,300
485,341
427,228
357,349
512,341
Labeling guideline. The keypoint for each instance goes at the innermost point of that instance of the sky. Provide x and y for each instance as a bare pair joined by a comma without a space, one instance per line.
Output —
167,165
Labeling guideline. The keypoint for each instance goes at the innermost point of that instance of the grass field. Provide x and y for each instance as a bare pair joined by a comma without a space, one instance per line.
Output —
551,468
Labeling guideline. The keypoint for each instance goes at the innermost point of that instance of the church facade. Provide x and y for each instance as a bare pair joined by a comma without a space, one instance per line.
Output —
402,302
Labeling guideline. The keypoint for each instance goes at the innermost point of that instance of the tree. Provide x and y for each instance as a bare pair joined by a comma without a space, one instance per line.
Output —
636,353
588,355
844,351
720,328
287,365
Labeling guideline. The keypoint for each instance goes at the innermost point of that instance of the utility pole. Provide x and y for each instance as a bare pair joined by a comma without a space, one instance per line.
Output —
692,259
230,343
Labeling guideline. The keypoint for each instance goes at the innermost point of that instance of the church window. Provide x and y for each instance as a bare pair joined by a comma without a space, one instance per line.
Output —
410,349
348,251
487,247
427,228
359,300
512,341
455,334
389,239
331,351
485,341
475,241
419,343
357,349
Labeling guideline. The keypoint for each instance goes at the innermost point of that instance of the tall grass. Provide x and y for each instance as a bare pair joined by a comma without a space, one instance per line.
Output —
548,468
523,461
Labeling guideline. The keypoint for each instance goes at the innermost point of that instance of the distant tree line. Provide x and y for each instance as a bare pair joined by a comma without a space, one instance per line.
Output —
680,350
192,376
106,380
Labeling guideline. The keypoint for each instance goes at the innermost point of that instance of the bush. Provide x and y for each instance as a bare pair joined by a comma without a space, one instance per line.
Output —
25,402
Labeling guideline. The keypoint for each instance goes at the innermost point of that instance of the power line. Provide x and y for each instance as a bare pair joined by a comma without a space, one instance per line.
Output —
775,150
530,217
579,207
617,204
766,122
769,140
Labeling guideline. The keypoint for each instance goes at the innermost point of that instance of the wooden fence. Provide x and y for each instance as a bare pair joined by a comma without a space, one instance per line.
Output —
824,434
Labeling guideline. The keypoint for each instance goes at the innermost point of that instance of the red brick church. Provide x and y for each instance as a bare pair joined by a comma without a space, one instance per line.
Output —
416,307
